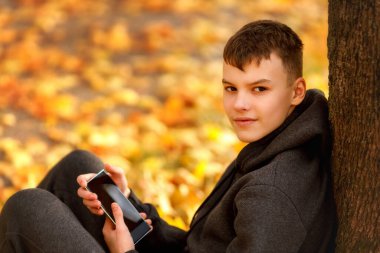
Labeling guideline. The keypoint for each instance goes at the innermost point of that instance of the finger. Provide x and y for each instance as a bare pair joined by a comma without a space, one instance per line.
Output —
113,170
127,192
94,208
84,194
117,174
96,211
118,215
95,204
83,179
149,222
143,215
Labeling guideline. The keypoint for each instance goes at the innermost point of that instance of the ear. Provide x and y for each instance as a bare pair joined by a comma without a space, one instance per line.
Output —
299,91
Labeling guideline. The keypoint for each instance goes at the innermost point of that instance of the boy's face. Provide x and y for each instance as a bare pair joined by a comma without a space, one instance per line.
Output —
258,99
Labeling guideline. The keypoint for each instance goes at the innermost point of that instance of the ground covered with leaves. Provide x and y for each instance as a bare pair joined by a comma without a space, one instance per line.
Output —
136,82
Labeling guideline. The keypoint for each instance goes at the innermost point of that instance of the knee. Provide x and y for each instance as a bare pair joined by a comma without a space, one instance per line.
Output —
26,203
66,171
82,162
80,155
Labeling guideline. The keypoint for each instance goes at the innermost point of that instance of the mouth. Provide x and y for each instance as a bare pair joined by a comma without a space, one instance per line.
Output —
244,121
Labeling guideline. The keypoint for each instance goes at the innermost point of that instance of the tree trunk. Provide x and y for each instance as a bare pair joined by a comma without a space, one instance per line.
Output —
354,71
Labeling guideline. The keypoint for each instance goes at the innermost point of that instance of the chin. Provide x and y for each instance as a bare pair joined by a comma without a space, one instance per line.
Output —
250,136
248,139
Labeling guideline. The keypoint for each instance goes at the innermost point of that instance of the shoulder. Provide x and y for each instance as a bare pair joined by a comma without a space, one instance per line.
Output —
289,168
291,176
292,181
283,165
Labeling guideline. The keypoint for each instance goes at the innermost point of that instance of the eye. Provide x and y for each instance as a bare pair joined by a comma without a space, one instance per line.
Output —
229,88
259,89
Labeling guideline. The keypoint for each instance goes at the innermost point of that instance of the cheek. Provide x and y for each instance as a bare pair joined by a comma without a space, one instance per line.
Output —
270,109
226,104
278,108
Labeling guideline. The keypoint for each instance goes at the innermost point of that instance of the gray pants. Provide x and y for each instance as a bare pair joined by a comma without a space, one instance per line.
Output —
52,218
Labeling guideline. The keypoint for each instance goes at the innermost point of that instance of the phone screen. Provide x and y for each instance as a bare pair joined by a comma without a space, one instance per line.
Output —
108,192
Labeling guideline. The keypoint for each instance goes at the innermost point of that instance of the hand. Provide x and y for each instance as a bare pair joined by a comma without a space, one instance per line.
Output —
90,200
118,238
118,176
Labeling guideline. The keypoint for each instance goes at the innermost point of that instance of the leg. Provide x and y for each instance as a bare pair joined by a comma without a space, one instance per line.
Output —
35,220
61,181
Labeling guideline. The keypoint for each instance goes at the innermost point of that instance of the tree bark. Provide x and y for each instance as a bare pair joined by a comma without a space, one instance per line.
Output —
354,91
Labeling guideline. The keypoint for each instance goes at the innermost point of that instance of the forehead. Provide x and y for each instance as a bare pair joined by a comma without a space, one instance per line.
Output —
270,69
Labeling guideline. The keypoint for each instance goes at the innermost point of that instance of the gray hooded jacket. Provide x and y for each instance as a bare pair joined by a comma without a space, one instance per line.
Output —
275,197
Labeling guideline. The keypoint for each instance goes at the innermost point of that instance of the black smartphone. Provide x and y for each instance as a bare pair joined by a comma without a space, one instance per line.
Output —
107,191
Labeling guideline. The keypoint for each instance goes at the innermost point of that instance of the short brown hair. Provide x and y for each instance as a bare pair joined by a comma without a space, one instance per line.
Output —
258,39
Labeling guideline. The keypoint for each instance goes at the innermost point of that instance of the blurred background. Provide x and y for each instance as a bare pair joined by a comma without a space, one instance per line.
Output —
136,82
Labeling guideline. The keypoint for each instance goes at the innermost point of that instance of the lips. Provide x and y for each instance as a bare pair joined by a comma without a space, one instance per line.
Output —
244,121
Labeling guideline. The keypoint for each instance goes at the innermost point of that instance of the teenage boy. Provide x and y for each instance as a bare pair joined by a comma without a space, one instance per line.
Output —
274,197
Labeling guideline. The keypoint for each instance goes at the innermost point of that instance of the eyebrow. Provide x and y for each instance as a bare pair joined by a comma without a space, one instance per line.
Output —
260,81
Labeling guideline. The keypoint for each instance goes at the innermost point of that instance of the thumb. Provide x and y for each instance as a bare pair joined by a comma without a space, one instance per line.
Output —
118,215
113,170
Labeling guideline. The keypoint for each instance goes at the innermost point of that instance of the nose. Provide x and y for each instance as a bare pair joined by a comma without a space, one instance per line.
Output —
242,102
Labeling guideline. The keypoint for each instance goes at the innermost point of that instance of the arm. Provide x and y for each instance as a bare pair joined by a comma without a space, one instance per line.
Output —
266,221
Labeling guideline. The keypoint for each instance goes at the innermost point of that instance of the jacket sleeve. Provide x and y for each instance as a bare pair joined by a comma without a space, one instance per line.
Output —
266,221
164,237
